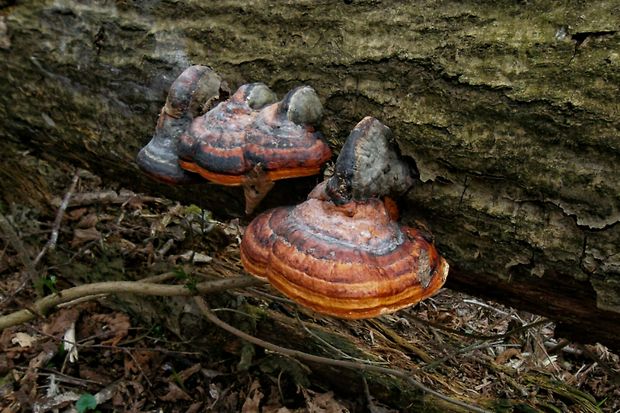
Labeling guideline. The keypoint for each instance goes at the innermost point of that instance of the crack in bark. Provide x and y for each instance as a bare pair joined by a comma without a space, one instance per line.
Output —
581,222
582,38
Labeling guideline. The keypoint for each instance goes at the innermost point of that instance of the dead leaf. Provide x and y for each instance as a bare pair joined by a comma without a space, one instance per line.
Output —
88,221
135,202
61,321
189,372
56,402
195,407
174,393
24,340
208,373
5,339
252,401
507,355
94,374
195,257
273,404
117,326
322,402
141,361
161,224
126,396
271,409
76,213
126,245
82,236
5,365
49,350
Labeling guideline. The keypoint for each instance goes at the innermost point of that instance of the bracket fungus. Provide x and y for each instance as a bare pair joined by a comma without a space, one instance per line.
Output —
368,165
342,252
236,144
159,158
249,140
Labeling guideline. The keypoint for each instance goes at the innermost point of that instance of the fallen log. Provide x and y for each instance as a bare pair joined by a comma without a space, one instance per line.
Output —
509,111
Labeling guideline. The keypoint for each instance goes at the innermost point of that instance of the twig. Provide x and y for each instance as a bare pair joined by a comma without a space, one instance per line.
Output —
507,334
110,197
62,377
51,243
466,349
209,315
137,363
155,279
46,303
400,341
122,346
13,238
609,369
336,349
485,305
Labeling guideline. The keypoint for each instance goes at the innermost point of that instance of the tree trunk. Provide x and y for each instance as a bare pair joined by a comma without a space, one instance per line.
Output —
509,109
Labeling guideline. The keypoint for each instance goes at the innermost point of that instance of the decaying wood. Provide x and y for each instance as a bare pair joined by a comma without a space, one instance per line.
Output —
509,110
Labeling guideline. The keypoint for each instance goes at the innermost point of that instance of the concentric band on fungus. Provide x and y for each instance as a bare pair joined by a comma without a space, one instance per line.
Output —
215,141
277,143
236,180
232,139
318,255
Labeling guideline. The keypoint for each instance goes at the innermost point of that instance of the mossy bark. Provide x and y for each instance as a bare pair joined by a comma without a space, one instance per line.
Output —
510,110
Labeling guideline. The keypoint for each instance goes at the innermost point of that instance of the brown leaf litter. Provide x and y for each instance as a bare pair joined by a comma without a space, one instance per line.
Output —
461,346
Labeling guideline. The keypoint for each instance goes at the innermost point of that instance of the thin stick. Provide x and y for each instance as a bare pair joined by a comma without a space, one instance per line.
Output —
46,303
507,334
51,243
209,315
110,197
13,239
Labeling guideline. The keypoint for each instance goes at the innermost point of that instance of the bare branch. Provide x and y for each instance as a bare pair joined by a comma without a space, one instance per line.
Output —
46,303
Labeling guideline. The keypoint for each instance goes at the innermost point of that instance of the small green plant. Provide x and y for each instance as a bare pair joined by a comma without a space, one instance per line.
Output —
85,403
190,280
193,210
46,285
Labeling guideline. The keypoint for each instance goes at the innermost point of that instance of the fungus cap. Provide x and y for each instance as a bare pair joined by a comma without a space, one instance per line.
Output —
228,142
213,145
349,261
369,165
159,158
235,144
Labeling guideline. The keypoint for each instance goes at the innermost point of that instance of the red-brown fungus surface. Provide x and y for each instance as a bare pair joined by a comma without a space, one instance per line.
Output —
231,140
248,140
214,144
350,261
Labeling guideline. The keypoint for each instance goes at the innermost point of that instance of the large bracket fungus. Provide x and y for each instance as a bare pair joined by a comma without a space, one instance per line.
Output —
248,140
342,252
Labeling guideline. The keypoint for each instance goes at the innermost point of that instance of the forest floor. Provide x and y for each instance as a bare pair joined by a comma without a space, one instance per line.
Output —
103,355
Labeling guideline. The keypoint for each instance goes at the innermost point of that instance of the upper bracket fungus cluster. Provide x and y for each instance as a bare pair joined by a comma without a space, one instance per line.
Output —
342,252
249,140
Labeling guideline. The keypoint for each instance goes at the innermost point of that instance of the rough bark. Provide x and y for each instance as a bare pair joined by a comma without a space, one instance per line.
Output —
510,110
